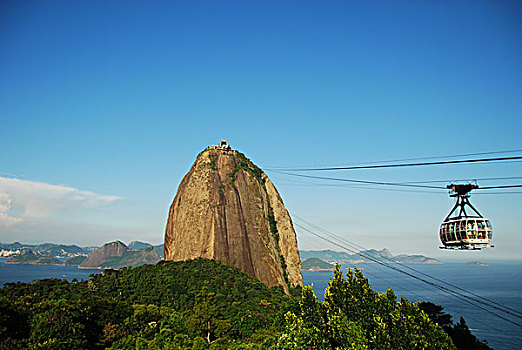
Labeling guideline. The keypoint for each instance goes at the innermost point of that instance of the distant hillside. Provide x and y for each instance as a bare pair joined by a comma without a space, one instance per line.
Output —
476,263
315,264
46,249
366,256
159,249
28,257
416,259
138,245
116,255
133,258
328,255
75,261
75,254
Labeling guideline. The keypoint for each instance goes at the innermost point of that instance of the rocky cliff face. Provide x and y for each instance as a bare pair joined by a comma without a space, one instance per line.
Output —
116,255
228,210
100,255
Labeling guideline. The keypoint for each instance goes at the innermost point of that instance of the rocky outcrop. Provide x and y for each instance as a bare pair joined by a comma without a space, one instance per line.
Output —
100,255
138,245
116,255
133,258
228,210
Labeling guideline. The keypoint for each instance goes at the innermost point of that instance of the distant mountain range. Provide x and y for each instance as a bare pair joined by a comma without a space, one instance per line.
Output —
366,256
113,255
138,245
29,257
79,254
45,249
64,251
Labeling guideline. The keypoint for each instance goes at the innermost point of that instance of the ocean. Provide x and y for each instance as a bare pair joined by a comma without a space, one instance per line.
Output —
29,273
500,282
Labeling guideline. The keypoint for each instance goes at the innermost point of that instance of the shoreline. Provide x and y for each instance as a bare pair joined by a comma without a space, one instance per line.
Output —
30,263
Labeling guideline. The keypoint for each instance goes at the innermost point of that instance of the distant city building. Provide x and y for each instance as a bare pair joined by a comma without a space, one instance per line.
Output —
6,253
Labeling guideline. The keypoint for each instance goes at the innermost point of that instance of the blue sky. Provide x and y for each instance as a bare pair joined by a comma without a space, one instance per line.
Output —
104,106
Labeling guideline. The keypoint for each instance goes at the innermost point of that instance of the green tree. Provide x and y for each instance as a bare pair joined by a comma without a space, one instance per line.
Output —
436,314
459,333
353,316
58,327
207,319
388,324
317,327
463,338
13,321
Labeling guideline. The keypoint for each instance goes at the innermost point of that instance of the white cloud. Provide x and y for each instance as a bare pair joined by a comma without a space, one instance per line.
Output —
5,206
23,199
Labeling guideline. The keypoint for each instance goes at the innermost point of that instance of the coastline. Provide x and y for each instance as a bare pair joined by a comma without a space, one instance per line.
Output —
30,263
317,270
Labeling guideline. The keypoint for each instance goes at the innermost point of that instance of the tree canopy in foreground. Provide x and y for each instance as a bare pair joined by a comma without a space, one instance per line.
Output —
204,304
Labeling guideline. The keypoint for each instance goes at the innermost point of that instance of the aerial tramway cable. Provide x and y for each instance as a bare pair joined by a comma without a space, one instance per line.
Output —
418,158
465,180
512,312
463,295
358,181
355,186
455,294
494,187
402,165
369,257
398,184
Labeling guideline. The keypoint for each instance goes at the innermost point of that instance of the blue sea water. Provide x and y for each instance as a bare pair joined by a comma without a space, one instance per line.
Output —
29,273
500,282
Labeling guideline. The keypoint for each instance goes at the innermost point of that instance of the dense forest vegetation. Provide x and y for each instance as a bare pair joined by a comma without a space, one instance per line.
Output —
203,304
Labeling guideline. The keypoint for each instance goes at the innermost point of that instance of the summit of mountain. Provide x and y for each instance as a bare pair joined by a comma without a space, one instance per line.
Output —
227,209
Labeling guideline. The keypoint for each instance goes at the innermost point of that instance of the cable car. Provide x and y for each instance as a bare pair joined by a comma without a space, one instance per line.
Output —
465,231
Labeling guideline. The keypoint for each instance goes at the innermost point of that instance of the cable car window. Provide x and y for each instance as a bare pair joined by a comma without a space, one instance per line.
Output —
482,230
448,233
453,232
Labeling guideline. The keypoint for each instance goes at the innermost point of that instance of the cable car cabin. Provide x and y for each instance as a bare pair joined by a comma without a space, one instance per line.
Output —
464,231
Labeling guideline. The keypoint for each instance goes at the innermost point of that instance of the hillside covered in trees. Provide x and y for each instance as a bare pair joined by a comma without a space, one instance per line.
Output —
204,304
